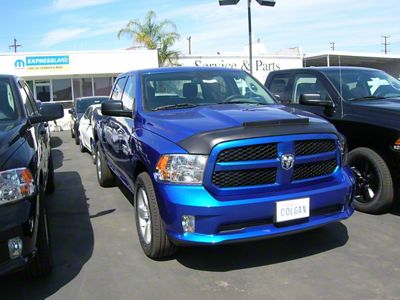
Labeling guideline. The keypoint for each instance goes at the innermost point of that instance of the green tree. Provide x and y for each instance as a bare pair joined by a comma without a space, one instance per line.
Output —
153,35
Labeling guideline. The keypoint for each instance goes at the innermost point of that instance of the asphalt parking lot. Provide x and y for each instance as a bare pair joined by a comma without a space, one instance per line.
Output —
97,254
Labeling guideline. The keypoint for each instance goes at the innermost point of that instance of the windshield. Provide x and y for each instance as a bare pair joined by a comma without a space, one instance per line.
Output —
170,90
8,109
364,84
83,104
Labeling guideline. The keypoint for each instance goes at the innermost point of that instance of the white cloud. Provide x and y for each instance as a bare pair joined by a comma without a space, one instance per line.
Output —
58,36
76,4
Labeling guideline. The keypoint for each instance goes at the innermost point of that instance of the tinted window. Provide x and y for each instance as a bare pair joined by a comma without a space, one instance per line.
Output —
82,87
118,89
202,88
128,97
83,104
102,86
308,84
62,89
8,110
359,84
278,86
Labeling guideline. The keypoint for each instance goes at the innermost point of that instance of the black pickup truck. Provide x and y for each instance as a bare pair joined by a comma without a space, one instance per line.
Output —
364,105
26,173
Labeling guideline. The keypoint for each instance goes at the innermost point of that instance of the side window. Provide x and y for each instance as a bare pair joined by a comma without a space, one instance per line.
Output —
118,89
278,86
308,84
87,113
128,98
30,109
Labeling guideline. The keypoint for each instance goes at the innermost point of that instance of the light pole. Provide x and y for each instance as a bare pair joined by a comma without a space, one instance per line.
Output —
262,3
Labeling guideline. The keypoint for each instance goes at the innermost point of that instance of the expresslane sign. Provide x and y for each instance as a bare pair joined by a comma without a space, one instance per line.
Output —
41,63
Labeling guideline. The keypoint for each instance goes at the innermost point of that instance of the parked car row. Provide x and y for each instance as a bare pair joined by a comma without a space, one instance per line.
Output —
211,158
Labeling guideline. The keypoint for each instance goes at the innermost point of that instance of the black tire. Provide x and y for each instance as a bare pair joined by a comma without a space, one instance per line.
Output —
159,246
94,150
72,133
50,177
373,174
76,137
42,263
105,176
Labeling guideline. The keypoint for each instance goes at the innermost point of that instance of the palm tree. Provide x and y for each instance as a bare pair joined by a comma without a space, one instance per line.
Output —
154,35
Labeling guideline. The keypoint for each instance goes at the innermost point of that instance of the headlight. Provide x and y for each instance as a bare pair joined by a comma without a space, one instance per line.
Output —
343,150
396,145
15,184
181,168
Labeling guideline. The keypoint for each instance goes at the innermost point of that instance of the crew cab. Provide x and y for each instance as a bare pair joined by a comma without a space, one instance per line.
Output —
26,173
211,158
78,110
364,105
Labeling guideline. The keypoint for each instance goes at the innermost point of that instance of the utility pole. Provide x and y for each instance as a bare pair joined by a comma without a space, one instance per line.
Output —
386,44
189,38
333,46
15,45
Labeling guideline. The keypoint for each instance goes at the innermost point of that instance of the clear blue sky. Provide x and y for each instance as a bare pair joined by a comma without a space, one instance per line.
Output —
53,25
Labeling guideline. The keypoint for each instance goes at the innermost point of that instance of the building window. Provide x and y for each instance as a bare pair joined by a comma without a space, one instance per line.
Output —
102,86
82,87
62,89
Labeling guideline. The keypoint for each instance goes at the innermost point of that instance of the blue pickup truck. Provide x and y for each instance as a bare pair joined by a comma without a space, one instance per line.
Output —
211,158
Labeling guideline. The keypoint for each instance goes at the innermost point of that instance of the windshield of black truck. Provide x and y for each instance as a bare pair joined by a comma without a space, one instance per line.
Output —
364,84
175,90
82,105
8,109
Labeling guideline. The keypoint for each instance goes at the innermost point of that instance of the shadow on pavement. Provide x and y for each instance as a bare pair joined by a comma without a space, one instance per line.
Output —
58,158
55,142
72,242
266,252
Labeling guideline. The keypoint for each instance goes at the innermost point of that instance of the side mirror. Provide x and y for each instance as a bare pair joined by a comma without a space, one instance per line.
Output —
115,109
48,112
315,100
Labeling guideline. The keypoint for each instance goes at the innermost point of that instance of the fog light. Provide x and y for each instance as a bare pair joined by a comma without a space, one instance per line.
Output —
188,223
15,247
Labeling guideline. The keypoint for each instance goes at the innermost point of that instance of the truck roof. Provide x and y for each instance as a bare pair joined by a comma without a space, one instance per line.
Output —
180,69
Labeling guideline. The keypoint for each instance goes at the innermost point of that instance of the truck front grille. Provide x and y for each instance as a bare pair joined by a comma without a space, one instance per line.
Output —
246,153
314,147
237,178
314,169
259,164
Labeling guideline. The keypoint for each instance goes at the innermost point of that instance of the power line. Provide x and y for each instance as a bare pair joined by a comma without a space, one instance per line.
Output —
14,45
386,44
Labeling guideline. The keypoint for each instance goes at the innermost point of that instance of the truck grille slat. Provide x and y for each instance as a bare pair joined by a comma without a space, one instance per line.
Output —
246,153
314,147
314,169
244,178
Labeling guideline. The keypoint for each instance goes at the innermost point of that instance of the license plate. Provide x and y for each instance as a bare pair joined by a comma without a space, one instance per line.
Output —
292,210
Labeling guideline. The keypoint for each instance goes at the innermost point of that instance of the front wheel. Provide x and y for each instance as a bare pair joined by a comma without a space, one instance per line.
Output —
374,188
42,263
150,227
104,175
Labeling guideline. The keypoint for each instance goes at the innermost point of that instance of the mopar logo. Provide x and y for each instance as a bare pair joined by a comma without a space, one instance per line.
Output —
287,161
19,63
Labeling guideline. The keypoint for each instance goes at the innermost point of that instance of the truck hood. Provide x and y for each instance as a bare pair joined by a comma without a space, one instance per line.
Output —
177,125
10,139
386,111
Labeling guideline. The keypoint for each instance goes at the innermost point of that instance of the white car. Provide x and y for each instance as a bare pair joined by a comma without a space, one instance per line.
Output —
86,130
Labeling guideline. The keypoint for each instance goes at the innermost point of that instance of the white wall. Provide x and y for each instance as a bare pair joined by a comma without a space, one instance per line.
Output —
262,65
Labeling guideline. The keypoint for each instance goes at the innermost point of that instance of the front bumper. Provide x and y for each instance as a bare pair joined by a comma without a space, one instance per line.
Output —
17,220
248,217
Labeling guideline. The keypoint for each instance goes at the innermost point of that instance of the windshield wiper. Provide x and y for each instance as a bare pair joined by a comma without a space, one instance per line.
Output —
173,106
368,98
